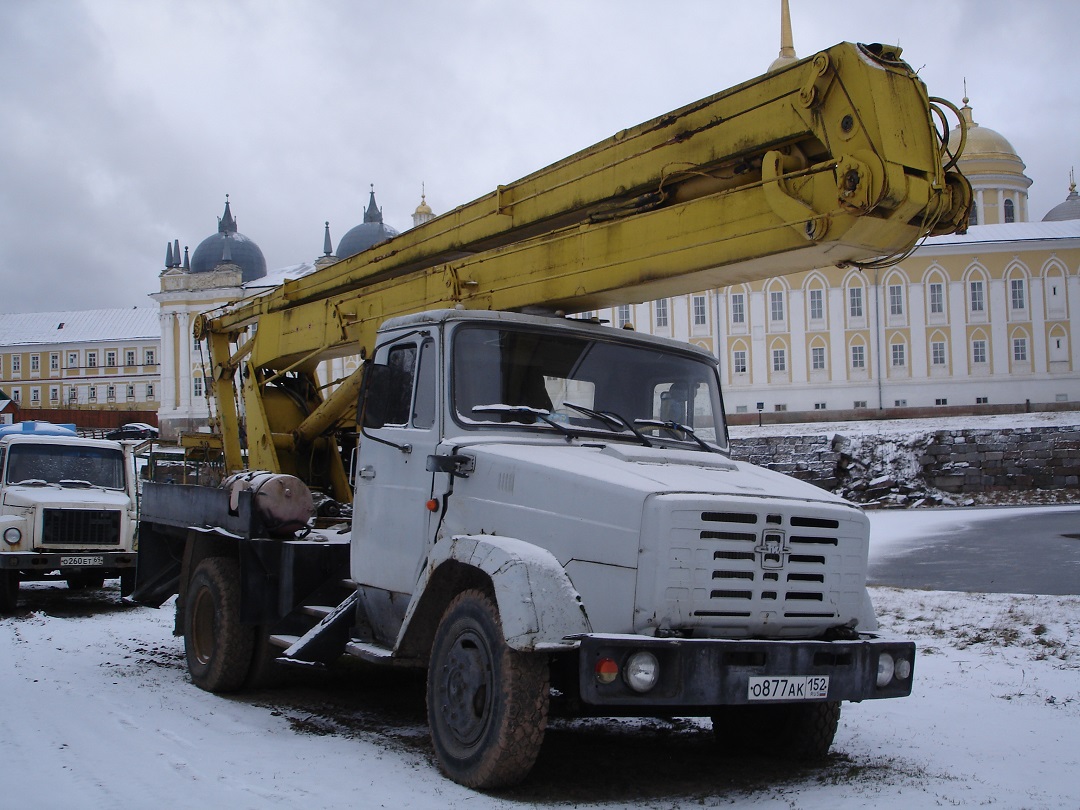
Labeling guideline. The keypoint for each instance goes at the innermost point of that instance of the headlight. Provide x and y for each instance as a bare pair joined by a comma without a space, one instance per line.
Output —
12,536
642,671
902,669
885,668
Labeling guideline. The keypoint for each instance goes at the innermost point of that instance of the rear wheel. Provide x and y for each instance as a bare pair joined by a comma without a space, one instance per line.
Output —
9,591
794,731
219,648
487,703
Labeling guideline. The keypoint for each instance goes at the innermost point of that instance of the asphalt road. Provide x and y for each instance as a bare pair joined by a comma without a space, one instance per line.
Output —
1034,553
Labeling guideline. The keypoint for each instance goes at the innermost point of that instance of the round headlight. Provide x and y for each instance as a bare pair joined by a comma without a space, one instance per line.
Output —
12,536
885,668
642,671
902,669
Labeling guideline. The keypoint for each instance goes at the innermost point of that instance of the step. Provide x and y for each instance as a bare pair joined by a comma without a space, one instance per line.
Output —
283,641
318,611
375,653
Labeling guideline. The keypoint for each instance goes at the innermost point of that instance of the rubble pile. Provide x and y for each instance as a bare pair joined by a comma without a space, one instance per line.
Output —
886,471
930,468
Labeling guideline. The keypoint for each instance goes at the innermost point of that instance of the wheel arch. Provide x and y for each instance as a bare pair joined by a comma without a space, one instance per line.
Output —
539,608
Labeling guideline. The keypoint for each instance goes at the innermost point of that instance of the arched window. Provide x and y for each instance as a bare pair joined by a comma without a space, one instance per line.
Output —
1010,211
1058,345
973,217
817,356
739,361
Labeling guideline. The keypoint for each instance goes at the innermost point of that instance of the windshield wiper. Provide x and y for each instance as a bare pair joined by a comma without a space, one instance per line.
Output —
74,482
524,410
675,427
31,482
610,418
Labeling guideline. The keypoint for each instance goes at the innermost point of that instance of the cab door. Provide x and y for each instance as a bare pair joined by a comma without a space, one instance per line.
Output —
392,524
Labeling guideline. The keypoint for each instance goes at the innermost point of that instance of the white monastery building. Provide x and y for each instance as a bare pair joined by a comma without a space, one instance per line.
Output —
977,320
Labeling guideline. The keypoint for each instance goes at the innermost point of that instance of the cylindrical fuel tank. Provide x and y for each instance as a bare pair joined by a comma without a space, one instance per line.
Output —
282,504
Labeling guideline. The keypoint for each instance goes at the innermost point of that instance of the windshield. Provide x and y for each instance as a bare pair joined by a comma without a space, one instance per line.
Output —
512,375
68,465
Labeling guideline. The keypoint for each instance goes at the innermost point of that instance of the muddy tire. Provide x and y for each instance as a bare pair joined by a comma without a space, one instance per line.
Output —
803,731
9,591
85,580
219,648
487,704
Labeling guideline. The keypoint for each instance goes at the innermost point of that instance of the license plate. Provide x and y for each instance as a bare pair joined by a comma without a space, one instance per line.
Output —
82,559
813,687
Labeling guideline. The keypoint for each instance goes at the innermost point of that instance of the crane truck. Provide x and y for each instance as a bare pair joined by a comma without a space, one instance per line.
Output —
544,508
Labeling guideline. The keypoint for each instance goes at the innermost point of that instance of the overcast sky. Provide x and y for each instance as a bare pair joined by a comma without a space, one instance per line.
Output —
124,123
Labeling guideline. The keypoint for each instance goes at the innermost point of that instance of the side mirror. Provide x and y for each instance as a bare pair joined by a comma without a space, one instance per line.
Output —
374,396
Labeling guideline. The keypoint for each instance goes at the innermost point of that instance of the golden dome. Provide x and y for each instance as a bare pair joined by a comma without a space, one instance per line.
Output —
987,153
423,207
983,143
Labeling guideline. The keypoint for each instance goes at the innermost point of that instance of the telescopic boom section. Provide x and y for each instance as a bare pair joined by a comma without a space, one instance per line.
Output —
835,159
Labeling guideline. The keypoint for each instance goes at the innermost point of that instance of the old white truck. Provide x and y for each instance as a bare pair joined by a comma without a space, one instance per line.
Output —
67,509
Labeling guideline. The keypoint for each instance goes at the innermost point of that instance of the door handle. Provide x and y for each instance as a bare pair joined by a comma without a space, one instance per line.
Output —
367,472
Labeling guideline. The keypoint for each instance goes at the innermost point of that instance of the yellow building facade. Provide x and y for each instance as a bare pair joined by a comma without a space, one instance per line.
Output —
55,365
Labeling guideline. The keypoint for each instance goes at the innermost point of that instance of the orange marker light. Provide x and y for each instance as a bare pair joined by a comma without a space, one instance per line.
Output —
606,670
433,505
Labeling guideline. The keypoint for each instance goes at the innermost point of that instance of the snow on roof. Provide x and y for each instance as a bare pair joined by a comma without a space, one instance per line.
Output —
82,326
275,278
1009,232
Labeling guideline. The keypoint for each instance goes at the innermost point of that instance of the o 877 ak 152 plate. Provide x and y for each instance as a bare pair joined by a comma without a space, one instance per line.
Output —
82,559
811,687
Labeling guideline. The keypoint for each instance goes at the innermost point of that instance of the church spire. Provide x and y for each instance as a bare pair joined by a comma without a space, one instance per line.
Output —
373,213
226,223
327,245
787,41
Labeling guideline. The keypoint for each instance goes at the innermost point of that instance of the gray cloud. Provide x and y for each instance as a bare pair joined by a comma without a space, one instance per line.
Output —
125,123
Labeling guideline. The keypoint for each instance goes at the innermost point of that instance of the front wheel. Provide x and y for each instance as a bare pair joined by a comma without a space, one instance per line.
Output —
487,704
9,591
218,646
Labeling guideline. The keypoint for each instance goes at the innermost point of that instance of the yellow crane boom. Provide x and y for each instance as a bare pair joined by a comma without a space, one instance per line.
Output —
835,159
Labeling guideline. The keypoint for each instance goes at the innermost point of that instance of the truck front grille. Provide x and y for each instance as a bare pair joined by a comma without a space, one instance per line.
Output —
788,571
788,580
81,527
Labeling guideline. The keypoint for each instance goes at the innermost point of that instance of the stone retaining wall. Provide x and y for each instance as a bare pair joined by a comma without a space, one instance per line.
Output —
1023,458
916,467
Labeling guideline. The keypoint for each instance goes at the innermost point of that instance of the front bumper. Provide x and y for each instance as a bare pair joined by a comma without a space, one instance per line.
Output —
707,673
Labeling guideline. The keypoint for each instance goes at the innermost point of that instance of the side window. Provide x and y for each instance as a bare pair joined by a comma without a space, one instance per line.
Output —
402,363
424,403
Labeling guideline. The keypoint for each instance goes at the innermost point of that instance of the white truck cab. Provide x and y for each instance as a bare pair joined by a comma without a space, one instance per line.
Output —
67,509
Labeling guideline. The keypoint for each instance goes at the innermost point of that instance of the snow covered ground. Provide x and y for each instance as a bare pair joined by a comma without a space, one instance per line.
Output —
96,711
